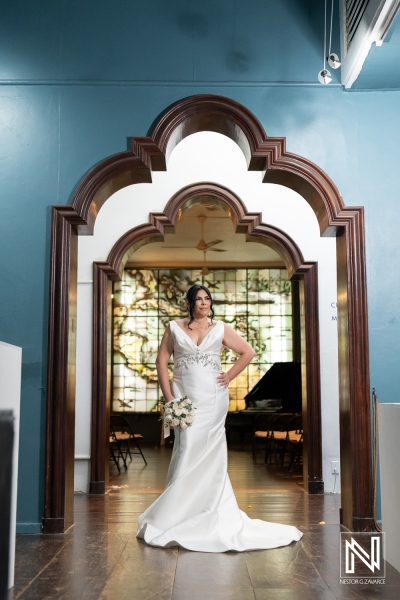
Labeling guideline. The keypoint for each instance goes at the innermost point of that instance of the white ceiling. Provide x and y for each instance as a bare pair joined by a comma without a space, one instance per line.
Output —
217,226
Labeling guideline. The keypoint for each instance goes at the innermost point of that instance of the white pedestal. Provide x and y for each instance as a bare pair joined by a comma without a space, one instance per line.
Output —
389,446
10,396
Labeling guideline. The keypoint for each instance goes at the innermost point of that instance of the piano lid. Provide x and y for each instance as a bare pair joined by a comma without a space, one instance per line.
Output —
282,381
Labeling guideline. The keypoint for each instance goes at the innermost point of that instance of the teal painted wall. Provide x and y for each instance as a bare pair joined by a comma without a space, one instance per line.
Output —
76,79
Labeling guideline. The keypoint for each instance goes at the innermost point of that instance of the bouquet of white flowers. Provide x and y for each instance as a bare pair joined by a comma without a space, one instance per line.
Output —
179,412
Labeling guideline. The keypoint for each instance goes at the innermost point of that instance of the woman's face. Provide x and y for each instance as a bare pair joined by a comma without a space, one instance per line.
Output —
202,304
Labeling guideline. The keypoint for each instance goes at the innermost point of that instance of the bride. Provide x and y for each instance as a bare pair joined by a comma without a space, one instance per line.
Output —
198,509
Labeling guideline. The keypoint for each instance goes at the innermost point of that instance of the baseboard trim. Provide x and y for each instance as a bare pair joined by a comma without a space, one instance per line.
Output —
29,528
315,487
97,487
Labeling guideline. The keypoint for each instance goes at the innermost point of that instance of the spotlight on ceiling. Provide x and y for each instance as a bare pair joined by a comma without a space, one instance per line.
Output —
324,76
334,60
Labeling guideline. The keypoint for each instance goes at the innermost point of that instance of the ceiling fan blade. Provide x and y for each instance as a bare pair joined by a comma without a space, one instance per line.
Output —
216,250
177,247
214,243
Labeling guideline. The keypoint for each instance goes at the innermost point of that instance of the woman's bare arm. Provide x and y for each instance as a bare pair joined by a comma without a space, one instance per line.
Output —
235,342
163,356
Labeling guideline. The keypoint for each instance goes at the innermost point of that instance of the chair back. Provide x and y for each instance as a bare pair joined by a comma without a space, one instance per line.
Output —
119,423
296,423
281,421
262,421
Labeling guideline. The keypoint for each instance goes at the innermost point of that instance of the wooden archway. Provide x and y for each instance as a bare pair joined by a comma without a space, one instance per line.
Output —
244,222
269,155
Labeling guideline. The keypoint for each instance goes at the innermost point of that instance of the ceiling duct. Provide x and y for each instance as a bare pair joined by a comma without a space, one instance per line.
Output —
363,23
354,13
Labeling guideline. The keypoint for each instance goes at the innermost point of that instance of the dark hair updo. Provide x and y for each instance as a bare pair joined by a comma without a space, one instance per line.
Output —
191,295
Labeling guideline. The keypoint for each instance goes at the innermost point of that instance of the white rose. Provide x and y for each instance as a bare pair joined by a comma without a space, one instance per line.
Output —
168,411
188,401
183,425
178,411
175,421
168,418
189,418
175,406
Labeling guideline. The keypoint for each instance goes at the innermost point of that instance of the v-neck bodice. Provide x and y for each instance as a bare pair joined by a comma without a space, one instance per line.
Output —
207,334
206,354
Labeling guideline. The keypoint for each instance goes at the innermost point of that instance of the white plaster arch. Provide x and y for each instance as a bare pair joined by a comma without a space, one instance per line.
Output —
212,157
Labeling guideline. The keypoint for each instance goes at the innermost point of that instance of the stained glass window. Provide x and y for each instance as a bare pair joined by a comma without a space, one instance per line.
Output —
256,302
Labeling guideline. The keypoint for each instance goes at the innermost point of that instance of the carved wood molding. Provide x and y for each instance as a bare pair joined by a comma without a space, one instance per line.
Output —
268,155
108,177
244,222
221,115
249,223
354,392
103,275
124,247
210,113
311,376
60,423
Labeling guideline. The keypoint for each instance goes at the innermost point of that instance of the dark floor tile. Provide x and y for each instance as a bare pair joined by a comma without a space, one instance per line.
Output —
290,593
284,567
227,572
210,576
142,572
33,554
323,541
329,570
213,592
100,556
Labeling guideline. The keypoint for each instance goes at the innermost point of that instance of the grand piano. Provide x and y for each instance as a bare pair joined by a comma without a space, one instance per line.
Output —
279,390
282,382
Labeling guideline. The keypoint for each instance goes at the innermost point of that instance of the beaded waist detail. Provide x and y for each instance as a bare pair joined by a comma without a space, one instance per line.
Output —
202,359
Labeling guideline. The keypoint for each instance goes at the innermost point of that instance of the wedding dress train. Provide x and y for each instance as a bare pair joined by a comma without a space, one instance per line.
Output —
198,509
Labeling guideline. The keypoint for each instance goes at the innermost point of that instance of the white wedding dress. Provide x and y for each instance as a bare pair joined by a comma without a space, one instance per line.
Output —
198,509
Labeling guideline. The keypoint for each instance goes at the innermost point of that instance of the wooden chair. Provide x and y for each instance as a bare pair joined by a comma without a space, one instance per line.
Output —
239,424
277,438
293,434
295,441
116,451
261,432
124,435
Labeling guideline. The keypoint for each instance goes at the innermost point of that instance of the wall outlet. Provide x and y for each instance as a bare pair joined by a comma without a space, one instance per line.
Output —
335,467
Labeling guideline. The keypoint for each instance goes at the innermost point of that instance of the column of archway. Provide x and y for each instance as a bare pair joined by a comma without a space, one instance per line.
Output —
60,425
268,155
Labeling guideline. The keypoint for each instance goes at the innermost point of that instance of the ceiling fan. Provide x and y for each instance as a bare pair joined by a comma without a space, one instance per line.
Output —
205,270
202,245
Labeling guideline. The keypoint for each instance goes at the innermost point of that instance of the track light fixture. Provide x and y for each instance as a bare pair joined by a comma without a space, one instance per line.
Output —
324,75
334,60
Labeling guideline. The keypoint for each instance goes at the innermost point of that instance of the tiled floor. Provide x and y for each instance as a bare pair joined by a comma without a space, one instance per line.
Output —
100,556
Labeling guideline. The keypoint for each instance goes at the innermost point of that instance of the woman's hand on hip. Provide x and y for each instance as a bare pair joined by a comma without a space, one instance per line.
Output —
223,379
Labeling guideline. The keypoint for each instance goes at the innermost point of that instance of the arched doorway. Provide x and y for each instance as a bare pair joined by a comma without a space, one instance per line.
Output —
268,155
298,269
